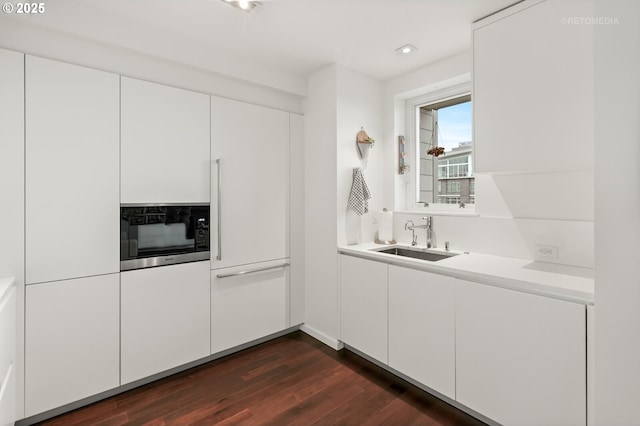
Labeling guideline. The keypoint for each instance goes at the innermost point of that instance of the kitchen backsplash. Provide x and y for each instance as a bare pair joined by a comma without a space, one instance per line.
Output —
506,236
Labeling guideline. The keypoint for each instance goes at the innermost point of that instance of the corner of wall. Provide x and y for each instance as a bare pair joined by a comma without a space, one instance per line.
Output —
321,274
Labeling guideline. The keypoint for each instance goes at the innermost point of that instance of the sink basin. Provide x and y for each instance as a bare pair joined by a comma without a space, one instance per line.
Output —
416,254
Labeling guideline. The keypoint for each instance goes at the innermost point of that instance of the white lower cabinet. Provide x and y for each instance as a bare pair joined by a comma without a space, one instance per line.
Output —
8,318
248,302
165,318
422,327
516,358
363,306
71,341
8,399
520,358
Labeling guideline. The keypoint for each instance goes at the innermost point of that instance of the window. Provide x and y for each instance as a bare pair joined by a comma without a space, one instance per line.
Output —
443,122
453,186
448,199
455,166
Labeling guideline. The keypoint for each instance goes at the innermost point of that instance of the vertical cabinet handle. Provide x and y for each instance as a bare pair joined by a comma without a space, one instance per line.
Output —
218,167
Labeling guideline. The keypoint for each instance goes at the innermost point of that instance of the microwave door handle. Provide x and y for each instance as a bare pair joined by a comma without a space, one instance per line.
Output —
219,191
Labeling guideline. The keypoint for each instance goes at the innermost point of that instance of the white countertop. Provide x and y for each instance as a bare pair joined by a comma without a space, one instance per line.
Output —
558,281
5,284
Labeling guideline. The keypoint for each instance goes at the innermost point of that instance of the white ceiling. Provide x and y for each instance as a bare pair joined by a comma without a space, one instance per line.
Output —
285,38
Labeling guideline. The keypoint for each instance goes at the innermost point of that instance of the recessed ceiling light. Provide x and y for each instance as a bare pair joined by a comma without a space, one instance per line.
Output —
245,5
407,48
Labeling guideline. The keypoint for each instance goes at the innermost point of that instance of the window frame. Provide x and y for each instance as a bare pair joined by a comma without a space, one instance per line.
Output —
412,111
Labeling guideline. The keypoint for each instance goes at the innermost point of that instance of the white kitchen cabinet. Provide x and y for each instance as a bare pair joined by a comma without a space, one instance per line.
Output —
250,183
11,161
8,346
8,400
72,339
297,223
71,173
363,306
422,327
520,358
533,88
248,302
165,144
164,318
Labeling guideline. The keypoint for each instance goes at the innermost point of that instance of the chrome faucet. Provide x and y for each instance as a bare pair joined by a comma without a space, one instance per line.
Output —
429,229
427,226
414,239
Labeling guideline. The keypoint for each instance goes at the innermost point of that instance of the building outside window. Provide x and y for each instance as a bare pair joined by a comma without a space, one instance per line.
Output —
454,168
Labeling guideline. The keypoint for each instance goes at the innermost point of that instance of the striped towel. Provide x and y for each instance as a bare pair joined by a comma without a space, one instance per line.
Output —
359,193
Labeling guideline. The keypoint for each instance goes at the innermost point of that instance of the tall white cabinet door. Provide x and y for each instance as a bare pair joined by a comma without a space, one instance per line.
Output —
72,338
422,327
165,318
247,303
165,144
520,358
252,144
72,182
533,88
297,224
11,161
363,306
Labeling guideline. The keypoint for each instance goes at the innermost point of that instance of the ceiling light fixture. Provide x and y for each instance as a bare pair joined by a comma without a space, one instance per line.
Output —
246,5
407,48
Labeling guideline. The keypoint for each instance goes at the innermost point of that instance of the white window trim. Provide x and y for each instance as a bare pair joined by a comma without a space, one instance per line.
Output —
411,108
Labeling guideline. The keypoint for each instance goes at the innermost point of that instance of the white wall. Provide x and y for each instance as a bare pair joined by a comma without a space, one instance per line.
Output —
62,47
617,214
340,102
358,106
321,277
448,72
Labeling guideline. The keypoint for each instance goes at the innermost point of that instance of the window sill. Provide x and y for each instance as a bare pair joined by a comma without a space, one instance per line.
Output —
436,211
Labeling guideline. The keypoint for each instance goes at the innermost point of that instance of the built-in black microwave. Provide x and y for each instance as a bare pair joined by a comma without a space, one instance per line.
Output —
163,234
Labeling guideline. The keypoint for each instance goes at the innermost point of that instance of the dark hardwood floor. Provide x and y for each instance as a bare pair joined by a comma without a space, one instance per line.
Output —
292,380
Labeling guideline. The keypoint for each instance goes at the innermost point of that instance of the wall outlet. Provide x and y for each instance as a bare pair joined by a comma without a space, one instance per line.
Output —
546,252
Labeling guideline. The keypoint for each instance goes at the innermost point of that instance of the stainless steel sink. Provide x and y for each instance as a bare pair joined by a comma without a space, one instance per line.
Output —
416,254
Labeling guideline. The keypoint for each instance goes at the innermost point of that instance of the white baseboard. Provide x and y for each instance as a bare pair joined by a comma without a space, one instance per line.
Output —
318,335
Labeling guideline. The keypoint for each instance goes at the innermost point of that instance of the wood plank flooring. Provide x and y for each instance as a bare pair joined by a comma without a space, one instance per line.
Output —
292,380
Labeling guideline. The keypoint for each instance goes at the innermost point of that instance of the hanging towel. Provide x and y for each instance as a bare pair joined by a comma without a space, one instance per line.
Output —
359,193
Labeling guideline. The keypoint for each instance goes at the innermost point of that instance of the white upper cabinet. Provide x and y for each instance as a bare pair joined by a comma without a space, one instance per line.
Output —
11,161
165,144
520,358
71,177
533,93
250,183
